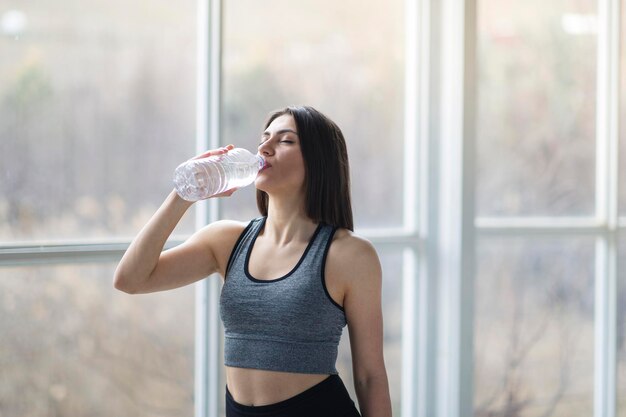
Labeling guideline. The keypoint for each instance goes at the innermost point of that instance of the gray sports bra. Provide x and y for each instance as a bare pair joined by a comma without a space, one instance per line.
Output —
288,324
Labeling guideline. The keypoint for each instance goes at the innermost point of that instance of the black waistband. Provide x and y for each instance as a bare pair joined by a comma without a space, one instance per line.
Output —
333,385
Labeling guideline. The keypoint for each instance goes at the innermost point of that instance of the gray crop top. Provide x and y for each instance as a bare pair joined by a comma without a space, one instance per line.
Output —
288,324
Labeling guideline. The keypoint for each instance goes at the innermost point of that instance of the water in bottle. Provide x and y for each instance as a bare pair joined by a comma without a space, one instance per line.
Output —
198,179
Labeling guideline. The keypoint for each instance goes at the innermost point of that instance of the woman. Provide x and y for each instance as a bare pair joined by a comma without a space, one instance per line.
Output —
293,278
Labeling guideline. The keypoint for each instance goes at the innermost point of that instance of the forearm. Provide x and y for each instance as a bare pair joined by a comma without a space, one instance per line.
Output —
142,255
373,396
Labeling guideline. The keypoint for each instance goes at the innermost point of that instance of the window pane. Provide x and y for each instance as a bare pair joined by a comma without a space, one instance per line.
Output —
534,329
536,108
392,264
72,345
621,330
622,117
97,107
344,58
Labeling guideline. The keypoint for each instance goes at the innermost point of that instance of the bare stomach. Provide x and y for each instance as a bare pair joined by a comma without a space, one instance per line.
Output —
256,387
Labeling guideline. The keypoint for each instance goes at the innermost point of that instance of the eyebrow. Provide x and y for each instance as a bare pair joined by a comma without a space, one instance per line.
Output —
280,132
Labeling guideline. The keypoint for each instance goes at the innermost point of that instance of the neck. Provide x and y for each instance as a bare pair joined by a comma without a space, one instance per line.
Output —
287,221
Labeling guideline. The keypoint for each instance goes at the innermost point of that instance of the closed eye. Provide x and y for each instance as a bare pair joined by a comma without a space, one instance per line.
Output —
282,141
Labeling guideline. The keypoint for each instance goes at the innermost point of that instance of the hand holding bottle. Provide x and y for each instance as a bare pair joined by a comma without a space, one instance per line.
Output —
216,173
219,151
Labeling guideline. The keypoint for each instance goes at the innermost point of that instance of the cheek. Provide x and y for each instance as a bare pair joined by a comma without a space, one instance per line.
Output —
299,171
293,176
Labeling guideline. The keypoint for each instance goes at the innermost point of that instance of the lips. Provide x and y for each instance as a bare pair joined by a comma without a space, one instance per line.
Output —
266,166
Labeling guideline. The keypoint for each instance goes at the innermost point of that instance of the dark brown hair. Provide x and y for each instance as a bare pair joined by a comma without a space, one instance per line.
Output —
327,171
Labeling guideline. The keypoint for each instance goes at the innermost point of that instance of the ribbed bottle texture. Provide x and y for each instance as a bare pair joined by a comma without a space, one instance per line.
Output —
198,179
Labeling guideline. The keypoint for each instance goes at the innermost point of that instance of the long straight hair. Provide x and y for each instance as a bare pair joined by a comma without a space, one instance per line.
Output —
327,171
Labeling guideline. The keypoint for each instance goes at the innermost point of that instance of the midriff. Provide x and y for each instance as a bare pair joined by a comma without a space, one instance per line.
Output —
256,387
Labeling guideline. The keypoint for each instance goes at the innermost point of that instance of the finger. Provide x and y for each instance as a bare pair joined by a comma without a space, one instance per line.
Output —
228,193
212,152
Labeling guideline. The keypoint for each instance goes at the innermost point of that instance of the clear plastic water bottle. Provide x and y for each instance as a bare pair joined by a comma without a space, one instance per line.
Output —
198,179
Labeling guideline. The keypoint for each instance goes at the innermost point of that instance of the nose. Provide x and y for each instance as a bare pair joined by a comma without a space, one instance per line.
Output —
265,148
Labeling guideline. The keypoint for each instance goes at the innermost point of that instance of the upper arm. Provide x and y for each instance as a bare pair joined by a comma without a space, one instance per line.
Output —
204,253
363,307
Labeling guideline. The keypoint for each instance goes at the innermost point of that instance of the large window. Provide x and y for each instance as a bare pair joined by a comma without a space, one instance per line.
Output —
546,196
497,222
98,106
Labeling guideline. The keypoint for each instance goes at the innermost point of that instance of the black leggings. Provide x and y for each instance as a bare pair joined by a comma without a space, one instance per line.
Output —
329,398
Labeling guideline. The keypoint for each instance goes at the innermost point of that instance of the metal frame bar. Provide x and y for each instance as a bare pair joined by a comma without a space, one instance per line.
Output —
208,338
607,210
112,250
70,252
540,226
605,326
419,348
412,311
456,135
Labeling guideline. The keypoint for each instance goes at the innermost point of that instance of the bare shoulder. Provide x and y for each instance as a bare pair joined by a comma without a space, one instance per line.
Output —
220,237
346,242
222,227
351,255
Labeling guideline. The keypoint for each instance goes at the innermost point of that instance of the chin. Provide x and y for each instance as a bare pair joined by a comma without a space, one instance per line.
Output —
259,185
277,187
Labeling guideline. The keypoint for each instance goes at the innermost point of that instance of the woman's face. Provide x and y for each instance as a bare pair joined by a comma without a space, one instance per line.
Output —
280,146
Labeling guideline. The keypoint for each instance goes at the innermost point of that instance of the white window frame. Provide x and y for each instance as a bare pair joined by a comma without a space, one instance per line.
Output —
440,227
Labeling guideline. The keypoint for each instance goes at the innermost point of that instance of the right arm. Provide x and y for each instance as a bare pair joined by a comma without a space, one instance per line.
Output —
145,267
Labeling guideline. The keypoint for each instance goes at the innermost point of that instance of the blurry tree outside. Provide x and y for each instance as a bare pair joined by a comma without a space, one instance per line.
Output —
97,106
72,345
534,327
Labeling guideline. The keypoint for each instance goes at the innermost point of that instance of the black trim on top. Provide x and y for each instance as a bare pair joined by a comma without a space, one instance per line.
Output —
237,243
323,274
251,246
